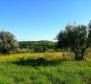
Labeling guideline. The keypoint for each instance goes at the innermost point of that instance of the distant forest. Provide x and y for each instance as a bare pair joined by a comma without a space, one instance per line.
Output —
37,46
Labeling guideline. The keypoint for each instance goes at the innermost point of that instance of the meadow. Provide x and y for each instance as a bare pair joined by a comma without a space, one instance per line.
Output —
43,68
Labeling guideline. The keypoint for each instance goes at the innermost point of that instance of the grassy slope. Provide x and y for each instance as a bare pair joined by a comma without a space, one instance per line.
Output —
65,72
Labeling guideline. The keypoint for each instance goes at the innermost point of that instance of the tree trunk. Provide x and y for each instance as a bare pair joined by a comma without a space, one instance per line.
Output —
79,56
79,53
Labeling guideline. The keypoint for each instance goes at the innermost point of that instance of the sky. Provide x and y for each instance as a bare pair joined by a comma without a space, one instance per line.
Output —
32,20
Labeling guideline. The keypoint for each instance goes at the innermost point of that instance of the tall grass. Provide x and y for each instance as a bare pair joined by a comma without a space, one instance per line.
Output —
62,72
14,57
55,55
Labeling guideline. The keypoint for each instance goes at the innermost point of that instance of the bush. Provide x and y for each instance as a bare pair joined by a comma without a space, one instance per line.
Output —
8,42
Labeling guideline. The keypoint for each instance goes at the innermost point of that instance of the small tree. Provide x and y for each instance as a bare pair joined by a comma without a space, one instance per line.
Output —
77,38
7,42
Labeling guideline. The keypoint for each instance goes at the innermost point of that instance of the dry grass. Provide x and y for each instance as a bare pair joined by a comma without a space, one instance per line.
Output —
14,57
51,56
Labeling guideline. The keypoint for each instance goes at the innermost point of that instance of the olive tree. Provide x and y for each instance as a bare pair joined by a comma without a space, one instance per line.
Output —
8,42
77,38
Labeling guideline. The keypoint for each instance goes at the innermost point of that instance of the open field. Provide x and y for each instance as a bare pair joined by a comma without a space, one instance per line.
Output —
24,71
14,57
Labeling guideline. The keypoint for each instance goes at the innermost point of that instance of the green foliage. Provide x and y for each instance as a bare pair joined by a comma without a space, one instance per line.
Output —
37,46
8,42
75,37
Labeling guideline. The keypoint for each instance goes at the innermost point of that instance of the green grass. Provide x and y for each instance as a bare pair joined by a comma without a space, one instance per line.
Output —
62,72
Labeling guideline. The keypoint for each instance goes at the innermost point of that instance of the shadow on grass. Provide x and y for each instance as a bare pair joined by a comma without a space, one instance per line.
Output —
38,62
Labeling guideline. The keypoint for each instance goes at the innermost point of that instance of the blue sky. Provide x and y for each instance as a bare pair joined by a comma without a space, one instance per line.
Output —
41,19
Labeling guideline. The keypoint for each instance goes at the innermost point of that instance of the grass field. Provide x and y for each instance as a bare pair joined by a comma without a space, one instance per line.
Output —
14,57
24,69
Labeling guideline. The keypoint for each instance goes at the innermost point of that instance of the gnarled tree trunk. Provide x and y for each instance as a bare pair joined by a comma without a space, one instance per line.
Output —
79,55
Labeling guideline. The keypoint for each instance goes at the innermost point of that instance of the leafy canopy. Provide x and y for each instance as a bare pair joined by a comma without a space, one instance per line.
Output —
76,37
7,42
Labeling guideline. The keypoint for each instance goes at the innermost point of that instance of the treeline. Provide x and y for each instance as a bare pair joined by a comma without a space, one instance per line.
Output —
9,44
37,46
